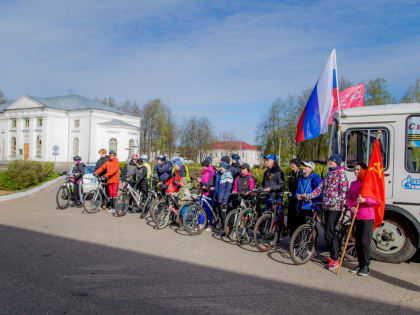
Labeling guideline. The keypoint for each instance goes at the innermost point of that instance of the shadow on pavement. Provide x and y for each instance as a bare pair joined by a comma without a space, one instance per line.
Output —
48,274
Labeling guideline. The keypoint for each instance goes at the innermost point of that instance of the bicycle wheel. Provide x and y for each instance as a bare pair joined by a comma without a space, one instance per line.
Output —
161,214
121,205
244,225
92,201
351,253
194,220
230,224
303,244
63,197
144,209
266,232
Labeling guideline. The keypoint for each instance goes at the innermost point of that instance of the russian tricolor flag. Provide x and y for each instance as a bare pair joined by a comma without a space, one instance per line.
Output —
314,119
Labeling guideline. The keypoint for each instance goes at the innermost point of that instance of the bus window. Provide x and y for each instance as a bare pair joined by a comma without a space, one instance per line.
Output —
359,146
412,155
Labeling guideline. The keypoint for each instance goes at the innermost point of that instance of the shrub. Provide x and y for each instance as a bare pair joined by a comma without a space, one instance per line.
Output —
23,174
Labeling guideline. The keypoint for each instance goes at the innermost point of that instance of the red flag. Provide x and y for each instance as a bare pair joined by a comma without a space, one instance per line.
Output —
374,184
352,97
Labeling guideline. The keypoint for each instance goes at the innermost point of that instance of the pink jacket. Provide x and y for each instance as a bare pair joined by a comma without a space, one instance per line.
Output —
251,182
366,210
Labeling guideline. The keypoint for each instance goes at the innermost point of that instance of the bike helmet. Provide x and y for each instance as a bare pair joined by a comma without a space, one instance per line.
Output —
144,157
235,156
112,152
77,158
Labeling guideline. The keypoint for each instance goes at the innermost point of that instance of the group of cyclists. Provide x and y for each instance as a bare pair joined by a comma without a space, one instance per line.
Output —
231,178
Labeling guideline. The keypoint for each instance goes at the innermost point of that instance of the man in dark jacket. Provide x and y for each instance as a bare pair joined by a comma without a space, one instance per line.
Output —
235,167
163,170
78,172
129,171
101,160
293,181
142,177
273,183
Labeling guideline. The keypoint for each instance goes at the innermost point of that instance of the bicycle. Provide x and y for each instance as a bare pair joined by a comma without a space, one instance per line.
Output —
122,204
65,192
195,218
303,241
233,215
248,217
153,196
267,230
166,211
93,199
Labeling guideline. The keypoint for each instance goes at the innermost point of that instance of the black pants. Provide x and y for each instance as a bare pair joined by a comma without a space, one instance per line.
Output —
292,215
363,235
77,193
331,220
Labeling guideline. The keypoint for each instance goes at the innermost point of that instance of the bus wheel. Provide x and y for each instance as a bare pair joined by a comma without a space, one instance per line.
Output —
395,240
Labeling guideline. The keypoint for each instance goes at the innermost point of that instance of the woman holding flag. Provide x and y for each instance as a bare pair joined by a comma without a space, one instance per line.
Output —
364,219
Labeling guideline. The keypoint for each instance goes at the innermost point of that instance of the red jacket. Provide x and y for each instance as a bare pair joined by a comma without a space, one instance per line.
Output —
112,169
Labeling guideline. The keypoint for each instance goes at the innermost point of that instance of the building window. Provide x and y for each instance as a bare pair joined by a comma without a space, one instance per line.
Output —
77,123
113,145
14,123
243,155
26,122
412,156
359,146
75,146
38,146
131,147
13,146
39,122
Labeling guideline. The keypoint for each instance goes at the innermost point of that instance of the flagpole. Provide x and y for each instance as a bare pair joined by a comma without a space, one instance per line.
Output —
339,106
348,238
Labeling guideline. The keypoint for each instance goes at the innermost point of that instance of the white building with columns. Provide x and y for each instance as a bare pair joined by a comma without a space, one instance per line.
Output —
33,128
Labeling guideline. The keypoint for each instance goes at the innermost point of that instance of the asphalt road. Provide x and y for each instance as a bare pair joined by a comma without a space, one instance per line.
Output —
66,262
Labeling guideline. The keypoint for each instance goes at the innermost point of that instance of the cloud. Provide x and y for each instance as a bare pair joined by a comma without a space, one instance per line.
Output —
213,58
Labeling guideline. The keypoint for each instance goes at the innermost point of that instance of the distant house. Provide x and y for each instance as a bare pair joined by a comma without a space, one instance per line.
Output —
248,153
49,128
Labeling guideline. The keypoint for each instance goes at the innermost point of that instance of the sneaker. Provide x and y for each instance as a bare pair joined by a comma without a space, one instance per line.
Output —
333,264
201,226
208,229
355,269
363,271
111,210
327,262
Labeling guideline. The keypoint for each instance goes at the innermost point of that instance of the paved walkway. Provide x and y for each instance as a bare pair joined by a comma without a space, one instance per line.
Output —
66,262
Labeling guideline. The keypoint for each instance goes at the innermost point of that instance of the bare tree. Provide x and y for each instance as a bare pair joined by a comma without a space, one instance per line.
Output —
196,138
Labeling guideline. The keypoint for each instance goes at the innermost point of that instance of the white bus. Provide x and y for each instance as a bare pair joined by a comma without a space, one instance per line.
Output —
397,239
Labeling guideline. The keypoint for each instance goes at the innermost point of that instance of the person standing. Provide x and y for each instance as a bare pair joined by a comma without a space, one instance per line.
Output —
308,182
224,184
334,189
273,184
102,159
235,167
364,219
245,181
293,182
112,174
78,172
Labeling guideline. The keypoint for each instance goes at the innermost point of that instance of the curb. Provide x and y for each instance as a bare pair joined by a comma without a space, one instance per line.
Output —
30,191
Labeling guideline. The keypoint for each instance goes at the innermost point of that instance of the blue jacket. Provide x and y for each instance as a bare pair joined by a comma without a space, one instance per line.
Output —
224,182
306,186
164,171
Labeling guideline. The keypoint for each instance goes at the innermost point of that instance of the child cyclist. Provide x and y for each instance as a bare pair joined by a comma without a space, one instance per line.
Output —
112,169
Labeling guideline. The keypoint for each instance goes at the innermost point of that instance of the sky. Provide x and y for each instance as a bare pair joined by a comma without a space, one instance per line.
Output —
226,60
